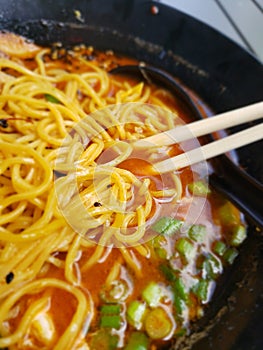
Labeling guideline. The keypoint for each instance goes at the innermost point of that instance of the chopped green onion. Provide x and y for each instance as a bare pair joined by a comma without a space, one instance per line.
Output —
157,324
161,225
173,227
160,245
167,225
103,340
152,294
219,248
168,272
110,309
110,316
201,290
186,248
211,267
199,188
110,321
51,98
239,235
180,289
137,341
230,255
161,252
135,313
197,233
179,305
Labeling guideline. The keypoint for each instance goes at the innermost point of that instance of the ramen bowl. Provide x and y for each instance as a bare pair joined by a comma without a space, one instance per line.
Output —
218,74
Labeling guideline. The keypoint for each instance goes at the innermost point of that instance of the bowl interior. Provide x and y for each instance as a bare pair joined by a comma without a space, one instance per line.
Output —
221,73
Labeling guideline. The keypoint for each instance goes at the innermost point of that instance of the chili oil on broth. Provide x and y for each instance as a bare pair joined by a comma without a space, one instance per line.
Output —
62,291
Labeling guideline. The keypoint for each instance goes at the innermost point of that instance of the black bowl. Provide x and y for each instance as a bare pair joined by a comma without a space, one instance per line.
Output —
223,74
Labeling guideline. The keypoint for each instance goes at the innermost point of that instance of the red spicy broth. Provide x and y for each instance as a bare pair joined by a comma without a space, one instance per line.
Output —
61,288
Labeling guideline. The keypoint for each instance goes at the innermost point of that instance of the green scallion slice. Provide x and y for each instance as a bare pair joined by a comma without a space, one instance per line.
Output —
110,309
238,236
51,98
197,233
137,341
167,225
110,321
135,313
199,188
152,294
219,248
186,248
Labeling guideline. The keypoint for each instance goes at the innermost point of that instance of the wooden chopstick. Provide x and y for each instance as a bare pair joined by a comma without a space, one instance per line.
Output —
203,127
210,150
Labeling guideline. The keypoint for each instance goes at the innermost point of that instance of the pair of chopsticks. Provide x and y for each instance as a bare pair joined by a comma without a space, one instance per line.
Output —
204,127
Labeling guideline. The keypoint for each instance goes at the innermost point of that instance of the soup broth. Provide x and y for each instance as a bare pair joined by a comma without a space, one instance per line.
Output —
137,271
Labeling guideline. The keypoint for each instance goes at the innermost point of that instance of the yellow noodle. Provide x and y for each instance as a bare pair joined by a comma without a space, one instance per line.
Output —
40,61
131,261
24,324
143,250
94,258
57,123
114,273
14,214
69,263
75,326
